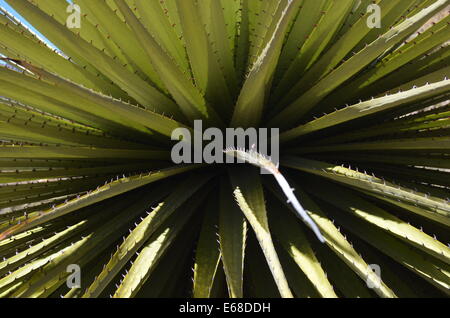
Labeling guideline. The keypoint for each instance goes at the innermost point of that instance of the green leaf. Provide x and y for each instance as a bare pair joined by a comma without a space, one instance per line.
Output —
232,238
433,208
249,109
207,254
183,91
336,241
434,271
107,191
368,108
332,13
304,104
47,273
151,253
142,233
288,232
250,197
382,219
208,75
73,45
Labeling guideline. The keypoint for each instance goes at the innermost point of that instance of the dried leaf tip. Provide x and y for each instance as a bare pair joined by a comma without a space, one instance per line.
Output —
255,158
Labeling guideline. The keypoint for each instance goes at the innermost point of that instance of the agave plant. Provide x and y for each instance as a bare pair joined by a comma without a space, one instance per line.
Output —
88,187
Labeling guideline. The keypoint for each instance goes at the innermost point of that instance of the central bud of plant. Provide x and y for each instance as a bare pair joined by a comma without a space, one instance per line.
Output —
209,145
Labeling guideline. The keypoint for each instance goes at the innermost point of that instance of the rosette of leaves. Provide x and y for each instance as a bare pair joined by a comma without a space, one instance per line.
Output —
86,117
